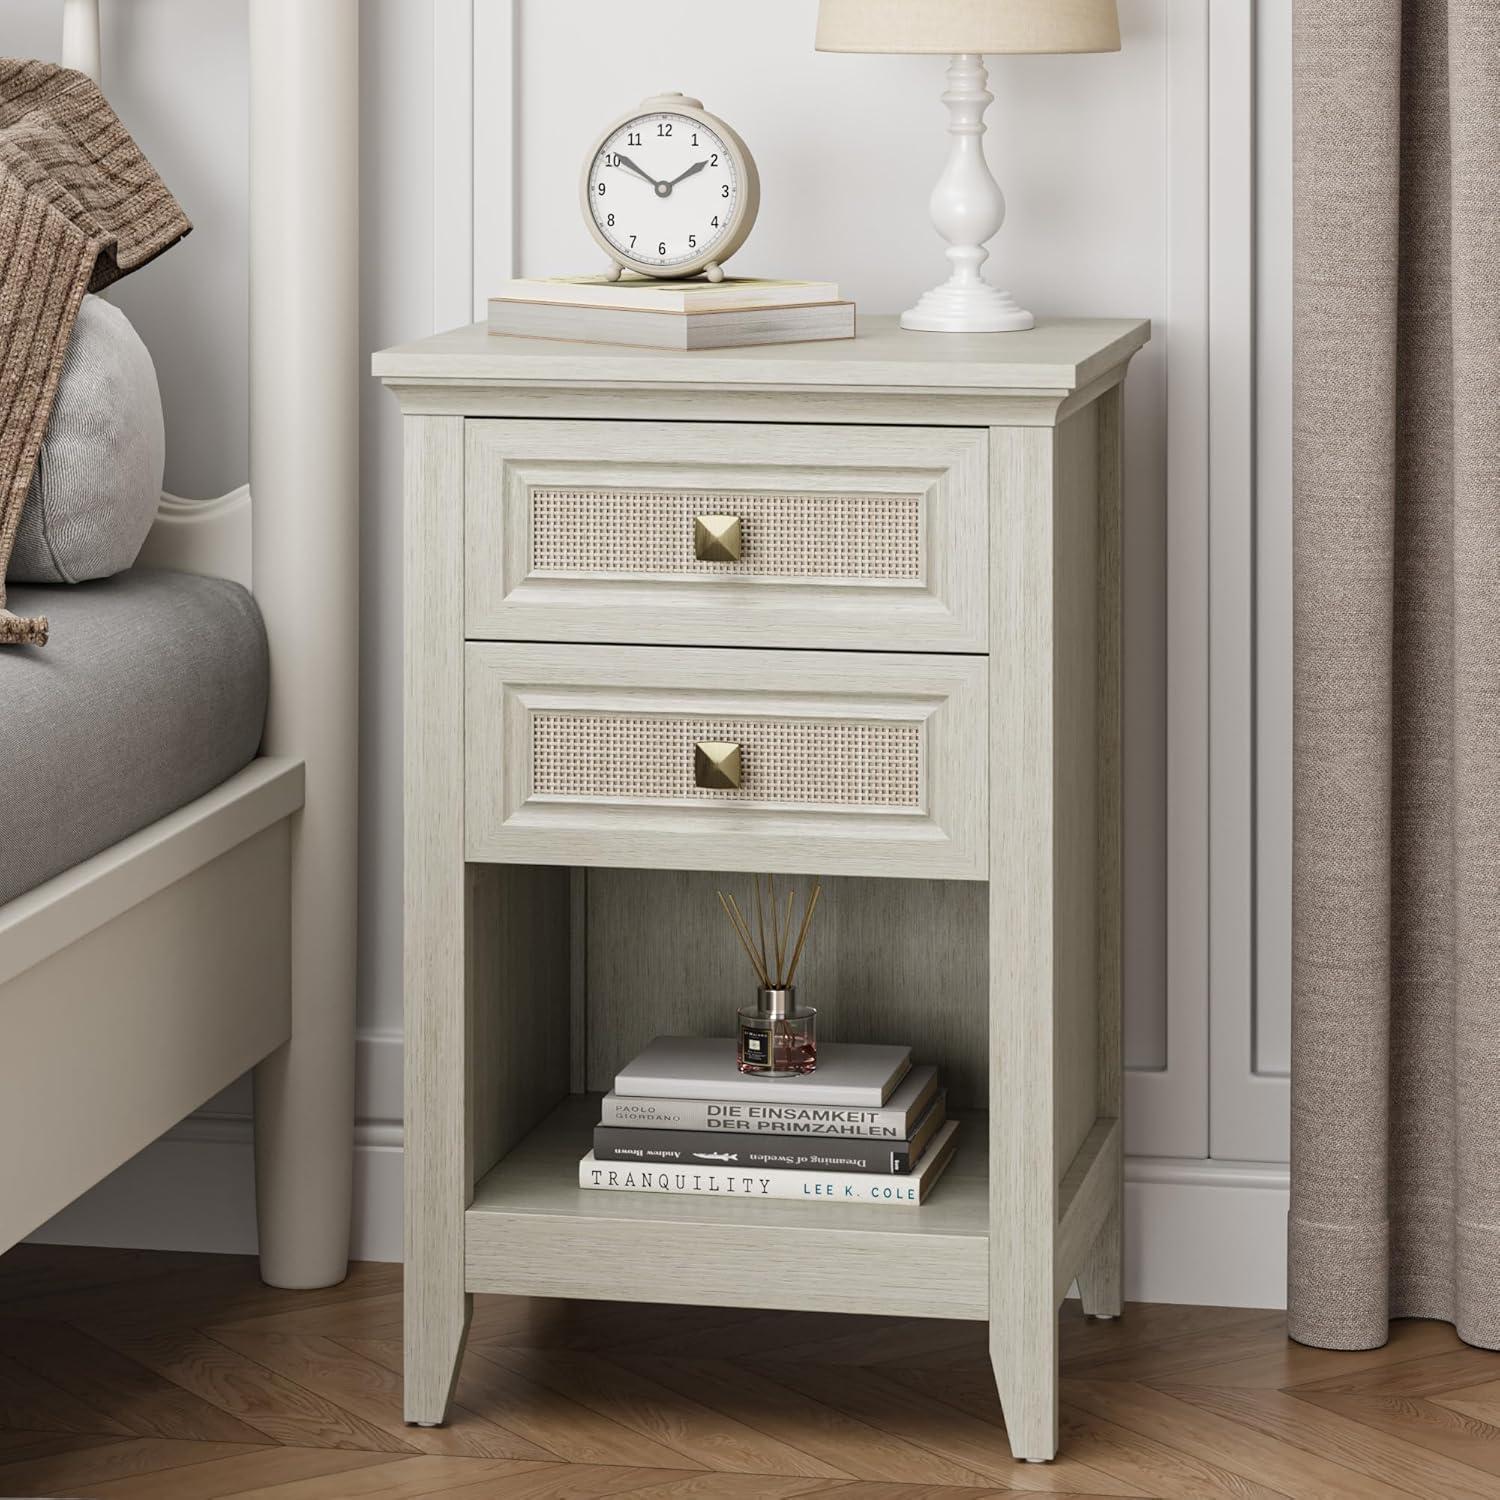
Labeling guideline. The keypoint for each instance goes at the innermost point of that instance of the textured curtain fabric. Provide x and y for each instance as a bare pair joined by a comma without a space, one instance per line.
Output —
1395,1206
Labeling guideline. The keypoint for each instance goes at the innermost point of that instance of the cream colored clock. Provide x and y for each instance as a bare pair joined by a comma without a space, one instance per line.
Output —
670,190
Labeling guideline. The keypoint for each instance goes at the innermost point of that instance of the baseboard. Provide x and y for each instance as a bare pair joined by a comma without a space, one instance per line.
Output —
195,1190
1209,1233
1203,1232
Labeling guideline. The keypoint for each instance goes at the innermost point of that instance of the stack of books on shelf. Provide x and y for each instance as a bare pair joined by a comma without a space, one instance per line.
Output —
865,1127
656,314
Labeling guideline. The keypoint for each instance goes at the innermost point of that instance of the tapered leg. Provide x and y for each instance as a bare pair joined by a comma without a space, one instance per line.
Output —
437,1323
1023,974
439,1178
1100,1282
1023,1354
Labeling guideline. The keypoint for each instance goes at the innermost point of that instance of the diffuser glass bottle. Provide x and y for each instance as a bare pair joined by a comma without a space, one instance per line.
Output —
777,1037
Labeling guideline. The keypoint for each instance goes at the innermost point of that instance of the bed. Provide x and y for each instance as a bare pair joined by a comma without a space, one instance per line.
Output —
177,892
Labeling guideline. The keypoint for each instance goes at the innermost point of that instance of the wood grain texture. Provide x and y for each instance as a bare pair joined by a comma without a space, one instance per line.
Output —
942,697
1101,1277
942,608
1059,354
531,1226
439,1174
531,400
621,1399
884,958
1076,746
1024,1165
519,1002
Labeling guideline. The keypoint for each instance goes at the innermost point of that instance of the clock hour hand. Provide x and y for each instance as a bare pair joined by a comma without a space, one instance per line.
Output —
697,166
625,161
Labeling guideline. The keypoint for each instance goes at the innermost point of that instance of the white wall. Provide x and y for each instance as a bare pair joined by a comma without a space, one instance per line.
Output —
1147,183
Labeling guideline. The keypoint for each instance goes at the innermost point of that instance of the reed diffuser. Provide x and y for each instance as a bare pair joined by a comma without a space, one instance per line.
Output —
777,1037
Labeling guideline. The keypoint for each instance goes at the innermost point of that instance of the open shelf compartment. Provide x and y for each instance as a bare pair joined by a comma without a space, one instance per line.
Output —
531,1231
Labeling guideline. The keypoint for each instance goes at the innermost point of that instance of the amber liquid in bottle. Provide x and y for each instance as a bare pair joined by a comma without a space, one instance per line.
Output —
777,1036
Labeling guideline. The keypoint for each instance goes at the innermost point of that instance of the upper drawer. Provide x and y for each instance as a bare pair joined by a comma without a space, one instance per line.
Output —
871,537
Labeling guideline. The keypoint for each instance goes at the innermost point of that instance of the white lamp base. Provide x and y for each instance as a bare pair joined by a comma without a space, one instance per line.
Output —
968,209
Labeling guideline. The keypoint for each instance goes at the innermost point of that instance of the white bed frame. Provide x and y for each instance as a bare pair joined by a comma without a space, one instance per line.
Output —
138,984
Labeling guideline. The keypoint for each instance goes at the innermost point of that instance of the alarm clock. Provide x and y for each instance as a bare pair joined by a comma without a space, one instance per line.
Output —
670,190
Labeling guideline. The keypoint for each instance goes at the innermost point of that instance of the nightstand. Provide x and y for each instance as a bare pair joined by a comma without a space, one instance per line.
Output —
912,634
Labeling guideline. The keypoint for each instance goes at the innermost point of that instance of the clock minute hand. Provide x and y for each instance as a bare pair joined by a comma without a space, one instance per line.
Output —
697,166
625,161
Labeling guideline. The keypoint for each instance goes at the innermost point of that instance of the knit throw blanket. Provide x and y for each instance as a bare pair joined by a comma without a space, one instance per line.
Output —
80,207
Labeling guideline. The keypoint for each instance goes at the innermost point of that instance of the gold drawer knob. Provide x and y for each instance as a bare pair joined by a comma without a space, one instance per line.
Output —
716,538
716,765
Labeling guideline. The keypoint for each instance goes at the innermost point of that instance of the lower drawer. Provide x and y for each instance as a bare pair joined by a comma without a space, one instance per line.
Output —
721,759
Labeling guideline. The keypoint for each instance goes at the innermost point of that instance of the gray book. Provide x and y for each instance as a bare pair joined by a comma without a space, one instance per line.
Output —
894,1120
655,328
812,1153
695,1067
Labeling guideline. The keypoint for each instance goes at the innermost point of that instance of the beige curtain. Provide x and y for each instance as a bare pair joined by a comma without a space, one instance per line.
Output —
1395,1208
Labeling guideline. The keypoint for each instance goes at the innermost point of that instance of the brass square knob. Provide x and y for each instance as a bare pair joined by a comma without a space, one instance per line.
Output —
716,538
716,765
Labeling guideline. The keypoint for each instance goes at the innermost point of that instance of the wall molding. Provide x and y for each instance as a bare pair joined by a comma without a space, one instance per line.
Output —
1166,1109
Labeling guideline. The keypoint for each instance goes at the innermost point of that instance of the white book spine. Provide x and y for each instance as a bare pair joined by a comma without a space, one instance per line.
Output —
754,1119
736,1184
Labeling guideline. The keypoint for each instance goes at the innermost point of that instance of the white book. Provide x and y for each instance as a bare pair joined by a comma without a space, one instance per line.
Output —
661,328
691,294
736,1184
894,1120
697,1067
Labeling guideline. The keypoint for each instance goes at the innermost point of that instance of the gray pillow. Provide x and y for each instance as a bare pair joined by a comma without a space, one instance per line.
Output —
97,483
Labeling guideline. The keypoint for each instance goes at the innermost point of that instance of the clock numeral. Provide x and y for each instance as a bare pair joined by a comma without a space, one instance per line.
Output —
633,139
632,242
665,128
609,219
723,194
692,242
713,160
714,222
661,249
695,137
610,159
600,190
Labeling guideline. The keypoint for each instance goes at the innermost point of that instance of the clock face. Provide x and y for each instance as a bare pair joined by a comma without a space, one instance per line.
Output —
664,190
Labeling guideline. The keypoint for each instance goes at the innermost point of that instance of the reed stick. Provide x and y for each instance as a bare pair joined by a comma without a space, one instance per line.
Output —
760,917
742,932
802,935
786,939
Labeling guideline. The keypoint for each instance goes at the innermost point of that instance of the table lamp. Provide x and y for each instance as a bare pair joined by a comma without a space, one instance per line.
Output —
967,205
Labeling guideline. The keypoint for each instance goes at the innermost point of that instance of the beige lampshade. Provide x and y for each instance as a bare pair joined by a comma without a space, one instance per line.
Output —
982,26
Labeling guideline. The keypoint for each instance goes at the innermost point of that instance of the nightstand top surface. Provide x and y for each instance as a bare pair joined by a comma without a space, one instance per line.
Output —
1059,354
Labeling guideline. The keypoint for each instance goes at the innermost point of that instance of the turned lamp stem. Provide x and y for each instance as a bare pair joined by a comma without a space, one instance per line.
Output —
968,209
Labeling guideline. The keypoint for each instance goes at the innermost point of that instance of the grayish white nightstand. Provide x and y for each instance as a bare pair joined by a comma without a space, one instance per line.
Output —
917,646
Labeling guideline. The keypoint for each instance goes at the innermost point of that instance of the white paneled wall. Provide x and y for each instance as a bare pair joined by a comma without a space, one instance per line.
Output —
1153,182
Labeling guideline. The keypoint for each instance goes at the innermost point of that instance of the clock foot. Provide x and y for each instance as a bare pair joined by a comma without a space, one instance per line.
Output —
714,271
614,273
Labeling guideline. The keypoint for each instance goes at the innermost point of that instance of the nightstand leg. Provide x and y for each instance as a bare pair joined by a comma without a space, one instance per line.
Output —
1023,1354
1100,1282
435,1334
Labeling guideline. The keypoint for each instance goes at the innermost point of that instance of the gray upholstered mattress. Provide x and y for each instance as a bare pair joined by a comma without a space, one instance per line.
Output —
151,692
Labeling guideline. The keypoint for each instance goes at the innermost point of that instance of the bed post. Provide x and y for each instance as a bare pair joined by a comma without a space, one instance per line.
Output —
304,473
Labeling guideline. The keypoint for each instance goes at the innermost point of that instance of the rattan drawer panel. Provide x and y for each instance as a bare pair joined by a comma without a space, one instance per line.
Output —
794,535
847,762
849,536
787,762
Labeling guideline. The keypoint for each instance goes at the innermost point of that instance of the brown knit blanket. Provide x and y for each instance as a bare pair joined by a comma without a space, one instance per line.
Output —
80,207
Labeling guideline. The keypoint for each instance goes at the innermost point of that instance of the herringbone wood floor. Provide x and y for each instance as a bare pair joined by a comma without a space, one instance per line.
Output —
178,1377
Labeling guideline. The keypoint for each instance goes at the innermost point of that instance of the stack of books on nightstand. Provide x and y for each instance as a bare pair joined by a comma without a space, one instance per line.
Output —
865,1127
692,314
